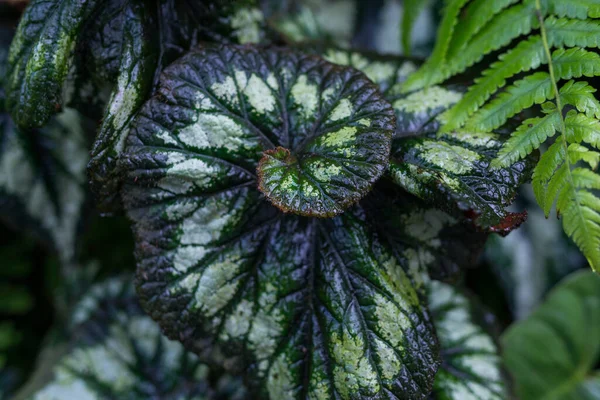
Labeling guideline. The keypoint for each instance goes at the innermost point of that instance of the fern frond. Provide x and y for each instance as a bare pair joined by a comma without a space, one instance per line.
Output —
581,96
526,56
533,89
477,14
581,128
542,43
528,137
572,32
512,23
581,9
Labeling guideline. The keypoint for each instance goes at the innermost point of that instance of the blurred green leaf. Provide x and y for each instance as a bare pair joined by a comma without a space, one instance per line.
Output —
552,354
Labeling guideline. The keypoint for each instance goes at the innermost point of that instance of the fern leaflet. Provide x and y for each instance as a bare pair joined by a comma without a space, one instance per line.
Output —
541,43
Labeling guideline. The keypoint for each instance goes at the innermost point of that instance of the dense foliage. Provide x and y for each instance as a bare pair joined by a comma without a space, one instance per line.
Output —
305,211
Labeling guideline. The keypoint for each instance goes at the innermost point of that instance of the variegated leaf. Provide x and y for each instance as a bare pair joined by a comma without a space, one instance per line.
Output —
39,58
114,351
42,179
471,363
313,307
125,47
453,172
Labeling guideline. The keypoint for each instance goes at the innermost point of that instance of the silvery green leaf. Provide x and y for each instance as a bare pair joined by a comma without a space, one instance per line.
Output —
114,351
433,243
42,179
471,363
39,58
311,306
453,172
558,342
129,47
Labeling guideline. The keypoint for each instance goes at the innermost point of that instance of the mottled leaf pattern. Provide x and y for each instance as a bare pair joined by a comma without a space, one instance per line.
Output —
471,364
324,130
430,241
315,307
40,56
127,48
135,73
452,171
552,354
42,179
115,351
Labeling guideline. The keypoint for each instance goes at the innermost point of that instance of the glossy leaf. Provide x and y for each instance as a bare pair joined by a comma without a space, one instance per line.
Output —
453,172
432,242
557,342
471,363
127,48
113,350
242,102
135,73
39,58
42,179
314,306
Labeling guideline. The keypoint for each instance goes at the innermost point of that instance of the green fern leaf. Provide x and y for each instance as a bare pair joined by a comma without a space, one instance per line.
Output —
572,32
580,95
581,9
533,89
581,221
510,85
528,137
526,56
510,24
412,9
558,182
476,16
575,62
581,128
549,162
586,179
578,153
430,72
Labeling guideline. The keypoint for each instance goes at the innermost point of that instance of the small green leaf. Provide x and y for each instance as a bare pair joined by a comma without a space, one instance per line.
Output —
471,364
113,350
312,307
453,172
556,342
411,11
39,58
